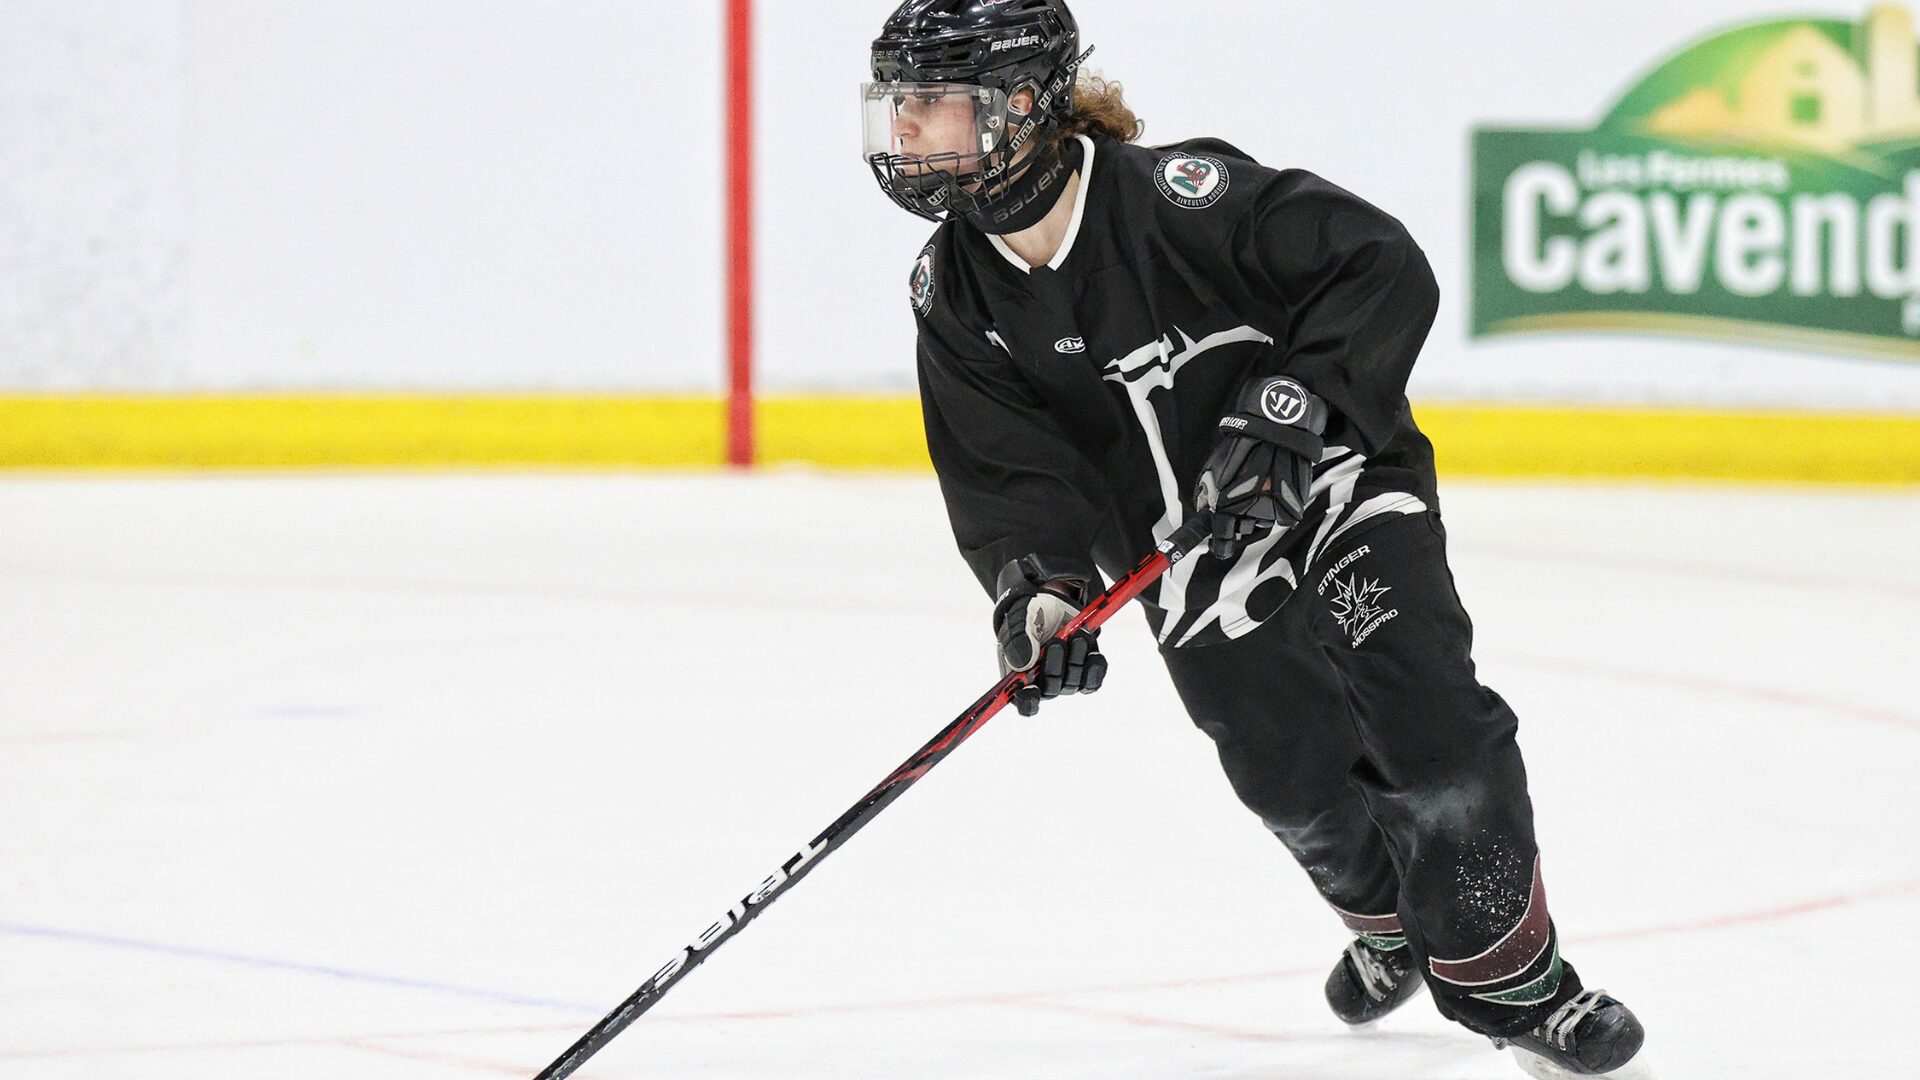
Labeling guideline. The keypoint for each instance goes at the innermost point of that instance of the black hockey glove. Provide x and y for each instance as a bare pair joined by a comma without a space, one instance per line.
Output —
1260,473
1038,594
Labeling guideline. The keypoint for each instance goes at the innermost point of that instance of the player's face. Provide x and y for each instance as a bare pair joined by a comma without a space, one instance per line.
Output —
929,125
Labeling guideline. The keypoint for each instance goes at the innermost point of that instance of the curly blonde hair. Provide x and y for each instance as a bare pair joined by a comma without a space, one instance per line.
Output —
1100,108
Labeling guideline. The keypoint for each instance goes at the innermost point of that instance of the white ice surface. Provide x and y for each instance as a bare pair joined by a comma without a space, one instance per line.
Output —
418,776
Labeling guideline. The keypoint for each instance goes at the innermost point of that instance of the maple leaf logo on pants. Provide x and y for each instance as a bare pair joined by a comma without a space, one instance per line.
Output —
1355,601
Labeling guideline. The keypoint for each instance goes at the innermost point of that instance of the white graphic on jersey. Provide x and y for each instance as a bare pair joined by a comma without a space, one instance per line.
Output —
1070,345
1236,588
1333,528
1152,367
1230,609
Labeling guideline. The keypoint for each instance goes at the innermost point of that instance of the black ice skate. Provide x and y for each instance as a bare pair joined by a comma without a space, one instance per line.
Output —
1590,1035
1369,982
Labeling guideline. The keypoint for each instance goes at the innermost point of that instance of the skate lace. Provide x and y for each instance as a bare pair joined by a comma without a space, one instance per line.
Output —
1558,1028
1375,979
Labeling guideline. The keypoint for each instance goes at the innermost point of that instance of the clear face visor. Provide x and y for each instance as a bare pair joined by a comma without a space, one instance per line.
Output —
924,127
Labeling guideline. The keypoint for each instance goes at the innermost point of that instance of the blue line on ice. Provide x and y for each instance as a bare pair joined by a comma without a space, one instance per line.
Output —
54,933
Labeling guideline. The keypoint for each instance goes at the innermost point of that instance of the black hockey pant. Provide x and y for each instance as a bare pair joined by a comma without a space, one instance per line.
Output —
1353,724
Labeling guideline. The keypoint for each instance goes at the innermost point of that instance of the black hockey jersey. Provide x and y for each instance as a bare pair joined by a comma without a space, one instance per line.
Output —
1070,407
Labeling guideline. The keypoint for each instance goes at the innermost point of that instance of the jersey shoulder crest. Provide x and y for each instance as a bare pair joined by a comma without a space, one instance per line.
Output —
1195,175
1199,173
920,280
927,281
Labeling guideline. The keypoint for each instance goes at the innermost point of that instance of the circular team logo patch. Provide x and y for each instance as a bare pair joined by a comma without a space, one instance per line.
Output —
920,283
1192,182
1284,401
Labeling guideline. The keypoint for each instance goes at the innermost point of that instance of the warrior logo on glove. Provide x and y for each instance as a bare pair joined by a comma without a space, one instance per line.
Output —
1260,474
1284,401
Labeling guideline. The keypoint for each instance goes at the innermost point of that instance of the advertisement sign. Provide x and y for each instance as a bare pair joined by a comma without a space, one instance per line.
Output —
1761,185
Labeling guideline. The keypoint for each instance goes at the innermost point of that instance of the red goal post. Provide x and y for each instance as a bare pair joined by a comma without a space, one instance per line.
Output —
739,98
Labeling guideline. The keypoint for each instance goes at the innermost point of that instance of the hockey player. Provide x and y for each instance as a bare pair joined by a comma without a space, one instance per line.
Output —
1113,337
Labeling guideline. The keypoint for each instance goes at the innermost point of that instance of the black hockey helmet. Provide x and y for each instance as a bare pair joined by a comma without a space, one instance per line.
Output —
966,60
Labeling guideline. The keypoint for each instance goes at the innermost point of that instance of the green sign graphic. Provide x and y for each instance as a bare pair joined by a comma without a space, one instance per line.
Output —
1762,185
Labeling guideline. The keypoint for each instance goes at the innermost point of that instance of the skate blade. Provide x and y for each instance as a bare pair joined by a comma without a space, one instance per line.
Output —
1541,1069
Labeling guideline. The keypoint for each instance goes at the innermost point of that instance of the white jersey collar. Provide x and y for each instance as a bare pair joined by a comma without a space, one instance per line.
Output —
1073,226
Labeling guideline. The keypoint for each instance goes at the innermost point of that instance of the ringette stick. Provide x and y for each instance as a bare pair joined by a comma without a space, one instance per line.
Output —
1097,611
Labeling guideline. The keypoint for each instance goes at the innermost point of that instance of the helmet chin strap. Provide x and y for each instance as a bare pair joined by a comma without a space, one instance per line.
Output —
1032,194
